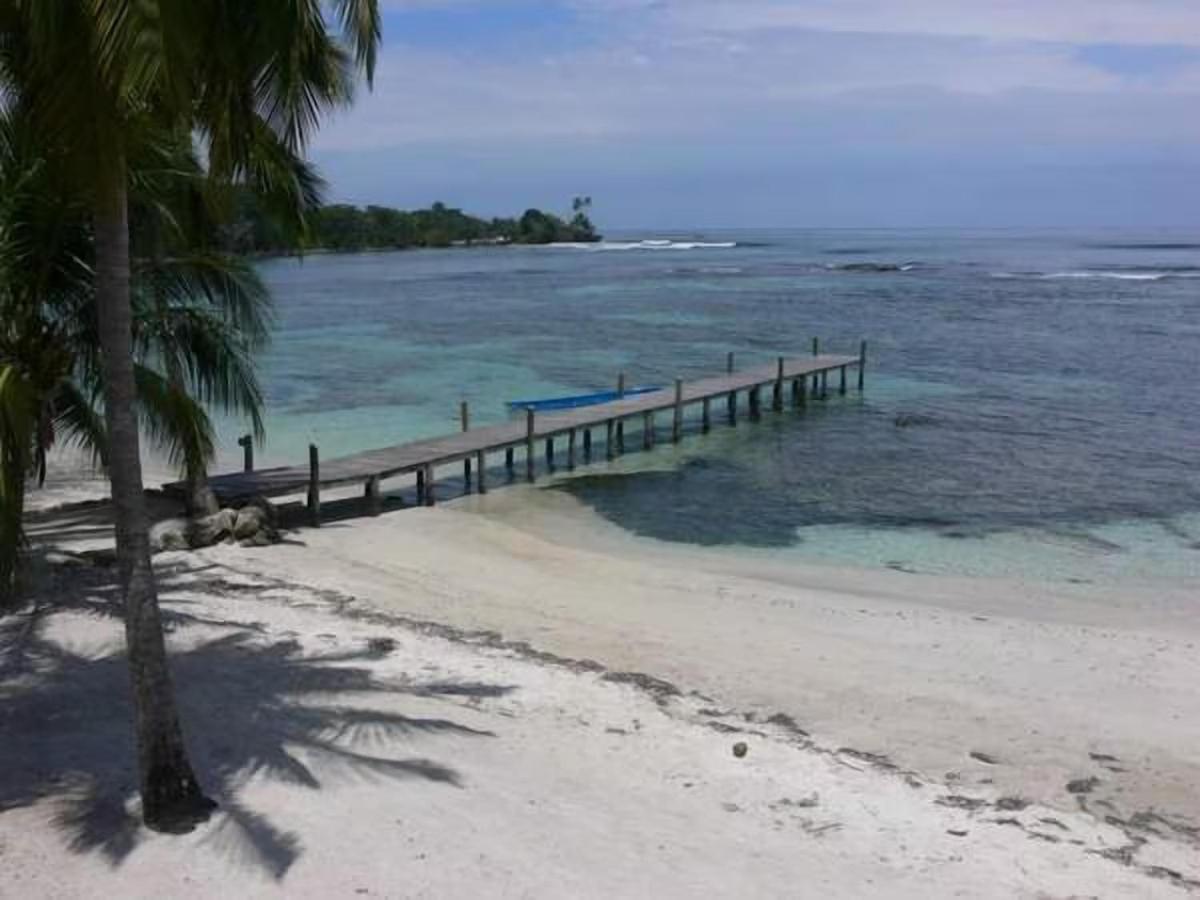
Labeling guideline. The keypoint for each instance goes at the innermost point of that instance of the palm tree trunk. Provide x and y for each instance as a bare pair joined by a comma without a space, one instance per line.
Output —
12,493
201,499
171,797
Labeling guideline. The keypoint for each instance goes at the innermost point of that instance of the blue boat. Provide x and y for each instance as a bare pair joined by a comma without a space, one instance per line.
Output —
579,399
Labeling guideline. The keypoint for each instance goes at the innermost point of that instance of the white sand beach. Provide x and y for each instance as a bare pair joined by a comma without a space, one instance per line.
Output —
505,696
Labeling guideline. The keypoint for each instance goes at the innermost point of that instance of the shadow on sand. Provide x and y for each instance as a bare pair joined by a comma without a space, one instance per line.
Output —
252,707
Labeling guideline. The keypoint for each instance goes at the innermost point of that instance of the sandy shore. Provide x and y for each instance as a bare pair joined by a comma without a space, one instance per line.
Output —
432,702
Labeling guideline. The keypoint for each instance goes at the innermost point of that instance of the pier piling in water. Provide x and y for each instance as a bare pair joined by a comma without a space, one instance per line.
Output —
464,415
529,460
777,399
862,364
677,423
314,486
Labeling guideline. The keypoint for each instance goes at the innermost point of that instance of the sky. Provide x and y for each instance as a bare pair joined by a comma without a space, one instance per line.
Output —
702,114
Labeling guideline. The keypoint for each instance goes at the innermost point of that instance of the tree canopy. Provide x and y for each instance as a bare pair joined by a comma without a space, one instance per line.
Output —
342,227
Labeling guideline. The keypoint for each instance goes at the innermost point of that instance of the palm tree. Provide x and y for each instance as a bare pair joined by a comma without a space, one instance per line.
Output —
249,78
199,315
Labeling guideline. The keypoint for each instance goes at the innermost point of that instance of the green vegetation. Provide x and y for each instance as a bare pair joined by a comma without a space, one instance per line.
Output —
341,227
102,89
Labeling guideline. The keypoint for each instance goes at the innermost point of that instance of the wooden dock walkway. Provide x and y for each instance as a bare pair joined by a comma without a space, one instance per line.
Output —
794,381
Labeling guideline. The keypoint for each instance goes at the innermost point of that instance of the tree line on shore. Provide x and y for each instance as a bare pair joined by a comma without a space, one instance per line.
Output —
344,228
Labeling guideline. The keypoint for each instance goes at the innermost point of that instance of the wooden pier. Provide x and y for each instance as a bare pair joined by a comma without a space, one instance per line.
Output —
795,381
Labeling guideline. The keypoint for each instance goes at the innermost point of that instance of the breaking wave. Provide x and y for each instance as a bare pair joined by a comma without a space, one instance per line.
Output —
648,245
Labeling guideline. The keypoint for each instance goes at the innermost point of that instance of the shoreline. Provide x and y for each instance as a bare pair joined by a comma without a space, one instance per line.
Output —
1010,690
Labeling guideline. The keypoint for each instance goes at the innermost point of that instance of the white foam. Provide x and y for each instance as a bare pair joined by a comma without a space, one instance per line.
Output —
647,245
1118,276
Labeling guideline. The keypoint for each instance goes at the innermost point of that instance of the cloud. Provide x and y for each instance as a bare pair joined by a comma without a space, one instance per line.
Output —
647,92
1068,21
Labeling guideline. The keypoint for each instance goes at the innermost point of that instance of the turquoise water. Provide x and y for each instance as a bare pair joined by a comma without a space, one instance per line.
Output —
1032,400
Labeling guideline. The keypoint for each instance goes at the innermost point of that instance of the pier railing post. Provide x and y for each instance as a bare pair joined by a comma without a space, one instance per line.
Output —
816,346
464,414
677,424
729,363
777,400
314,486
620,385
862,364
529,451
246,442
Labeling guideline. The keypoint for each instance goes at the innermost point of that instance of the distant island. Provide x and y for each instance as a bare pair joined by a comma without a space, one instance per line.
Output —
345,228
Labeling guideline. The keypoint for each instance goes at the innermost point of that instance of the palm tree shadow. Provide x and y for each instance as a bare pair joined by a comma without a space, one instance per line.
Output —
253,708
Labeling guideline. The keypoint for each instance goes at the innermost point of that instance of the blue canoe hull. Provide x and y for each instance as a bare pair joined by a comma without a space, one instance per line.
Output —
579,399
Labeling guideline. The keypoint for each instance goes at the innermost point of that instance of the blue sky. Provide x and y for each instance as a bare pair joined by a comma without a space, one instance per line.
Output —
711,113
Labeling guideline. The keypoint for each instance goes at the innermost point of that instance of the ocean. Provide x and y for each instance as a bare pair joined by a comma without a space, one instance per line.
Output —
1032,404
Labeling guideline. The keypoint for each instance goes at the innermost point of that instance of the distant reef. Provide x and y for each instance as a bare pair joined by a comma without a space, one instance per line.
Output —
344,228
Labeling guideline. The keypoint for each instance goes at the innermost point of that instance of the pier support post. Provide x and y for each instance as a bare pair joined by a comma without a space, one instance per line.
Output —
373,496
777,400
314,486
705,415
420,487
729,363
842,380
816,385
430,499
246,442
647,430
464,414
508,460
571,449
550,453
609,447
620,422
587,445
731,402
481,467
825,385
529,460
755,411
862,364
797,393
677,424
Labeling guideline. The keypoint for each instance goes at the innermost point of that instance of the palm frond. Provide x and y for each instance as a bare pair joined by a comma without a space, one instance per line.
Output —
79,422
175,423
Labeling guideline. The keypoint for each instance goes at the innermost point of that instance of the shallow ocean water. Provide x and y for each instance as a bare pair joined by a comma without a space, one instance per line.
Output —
1032,402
